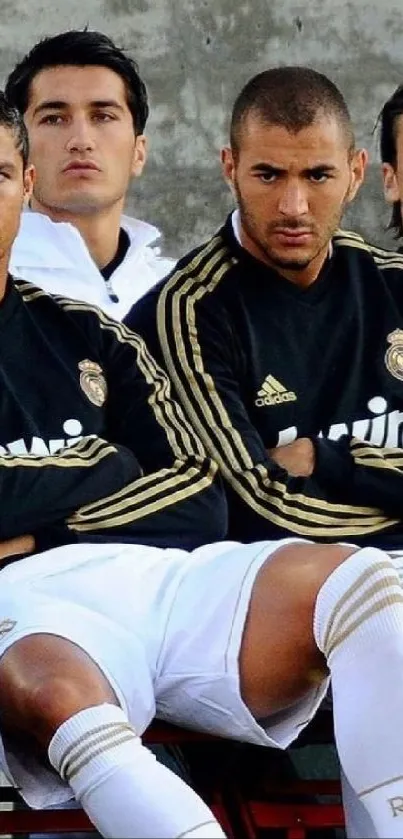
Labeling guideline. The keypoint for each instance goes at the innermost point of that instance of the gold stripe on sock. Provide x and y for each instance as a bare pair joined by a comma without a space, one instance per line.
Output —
91,738
84,737
388,582
116,741
369,572
389,600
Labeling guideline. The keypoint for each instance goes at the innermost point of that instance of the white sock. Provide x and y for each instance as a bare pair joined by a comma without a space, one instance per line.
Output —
359,627
358,823
120,784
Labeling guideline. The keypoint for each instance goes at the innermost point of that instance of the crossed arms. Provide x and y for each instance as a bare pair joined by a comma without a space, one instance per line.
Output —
150,482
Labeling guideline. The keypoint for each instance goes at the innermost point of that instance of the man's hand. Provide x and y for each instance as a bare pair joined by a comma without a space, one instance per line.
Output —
298,458
18,545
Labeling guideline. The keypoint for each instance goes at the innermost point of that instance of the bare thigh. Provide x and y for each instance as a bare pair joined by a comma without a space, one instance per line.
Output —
279,660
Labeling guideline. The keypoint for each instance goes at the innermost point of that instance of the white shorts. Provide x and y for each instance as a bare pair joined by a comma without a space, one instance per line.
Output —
164,626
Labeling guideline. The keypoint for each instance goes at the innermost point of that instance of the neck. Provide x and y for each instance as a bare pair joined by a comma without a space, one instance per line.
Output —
100,229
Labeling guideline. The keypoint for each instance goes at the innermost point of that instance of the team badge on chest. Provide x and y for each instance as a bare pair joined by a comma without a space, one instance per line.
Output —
93,382
394,354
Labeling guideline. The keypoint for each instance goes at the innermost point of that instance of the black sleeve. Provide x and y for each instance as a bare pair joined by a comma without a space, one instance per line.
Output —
179,500
39,491
365,474
196,343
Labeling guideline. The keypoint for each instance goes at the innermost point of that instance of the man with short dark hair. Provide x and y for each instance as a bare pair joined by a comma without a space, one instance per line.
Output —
86,414
391,148
283,335
85,107
390,125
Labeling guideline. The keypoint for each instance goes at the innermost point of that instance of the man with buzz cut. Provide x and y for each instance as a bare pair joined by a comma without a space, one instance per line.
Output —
85,107
283,335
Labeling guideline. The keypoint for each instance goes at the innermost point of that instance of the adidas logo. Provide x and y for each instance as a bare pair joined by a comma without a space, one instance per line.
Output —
273,393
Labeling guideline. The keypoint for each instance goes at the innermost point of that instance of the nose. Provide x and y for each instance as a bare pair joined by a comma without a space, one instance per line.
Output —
293,200
81,137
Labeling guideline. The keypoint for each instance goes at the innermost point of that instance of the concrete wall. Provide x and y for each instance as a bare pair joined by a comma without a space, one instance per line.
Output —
195,55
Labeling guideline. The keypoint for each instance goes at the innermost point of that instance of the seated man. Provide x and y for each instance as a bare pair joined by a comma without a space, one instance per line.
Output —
95,639
92,445
391,147
85,107
284,337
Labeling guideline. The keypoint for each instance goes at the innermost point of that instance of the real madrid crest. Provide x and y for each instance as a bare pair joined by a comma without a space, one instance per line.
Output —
394,354
92,382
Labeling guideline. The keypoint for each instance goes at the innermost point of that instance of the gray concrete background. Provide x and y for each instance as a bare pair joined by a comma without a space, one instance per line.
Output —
195,55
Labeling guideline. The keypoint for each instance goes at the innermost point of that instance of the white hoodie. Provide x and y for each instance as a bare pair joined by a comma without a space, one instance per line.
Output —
54,256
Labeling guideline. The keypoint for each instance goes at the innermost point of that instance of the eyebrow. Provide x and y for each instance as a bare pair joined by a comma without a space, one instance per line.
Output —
60,105
278,170
8,165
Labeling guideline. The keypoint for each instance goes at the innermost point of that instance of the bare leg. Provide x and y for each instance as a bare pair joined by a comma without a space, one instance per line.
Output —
44,680
53,692
312,607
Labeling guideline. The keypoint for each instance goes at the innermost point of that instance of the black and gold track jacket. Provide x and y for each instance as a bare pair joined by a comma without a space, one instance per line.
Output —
257,361
92,446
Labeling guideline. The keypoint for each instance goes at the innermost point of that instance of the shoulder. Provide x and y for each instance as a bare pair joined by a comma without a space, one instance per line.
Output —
194,278
354,244
49,305
144,256
144,241
77,321
202,271
160,265
42,242
149,264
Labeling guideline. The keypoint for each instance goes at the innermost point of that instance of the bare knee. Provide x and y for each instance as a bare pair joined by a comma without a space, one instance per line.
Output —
300,569
291,580
44,680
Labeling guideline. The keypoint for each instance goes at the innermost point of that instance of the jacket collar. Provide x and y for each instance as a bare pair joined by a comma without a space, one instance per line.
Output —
43,243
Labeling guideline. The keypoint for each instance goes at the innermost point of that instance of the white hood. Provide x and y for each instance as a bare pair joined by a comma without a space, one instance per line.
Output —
43,243
54,256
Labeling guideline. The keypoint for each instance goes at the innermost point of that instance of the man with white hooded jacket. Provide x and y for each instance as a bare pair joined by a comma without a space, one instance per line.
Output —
85,108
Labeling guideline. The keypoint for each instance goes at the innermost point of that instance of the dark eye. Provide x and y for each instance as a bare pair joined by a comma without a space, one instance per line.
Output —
103,117
267,177
319,177
51,119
